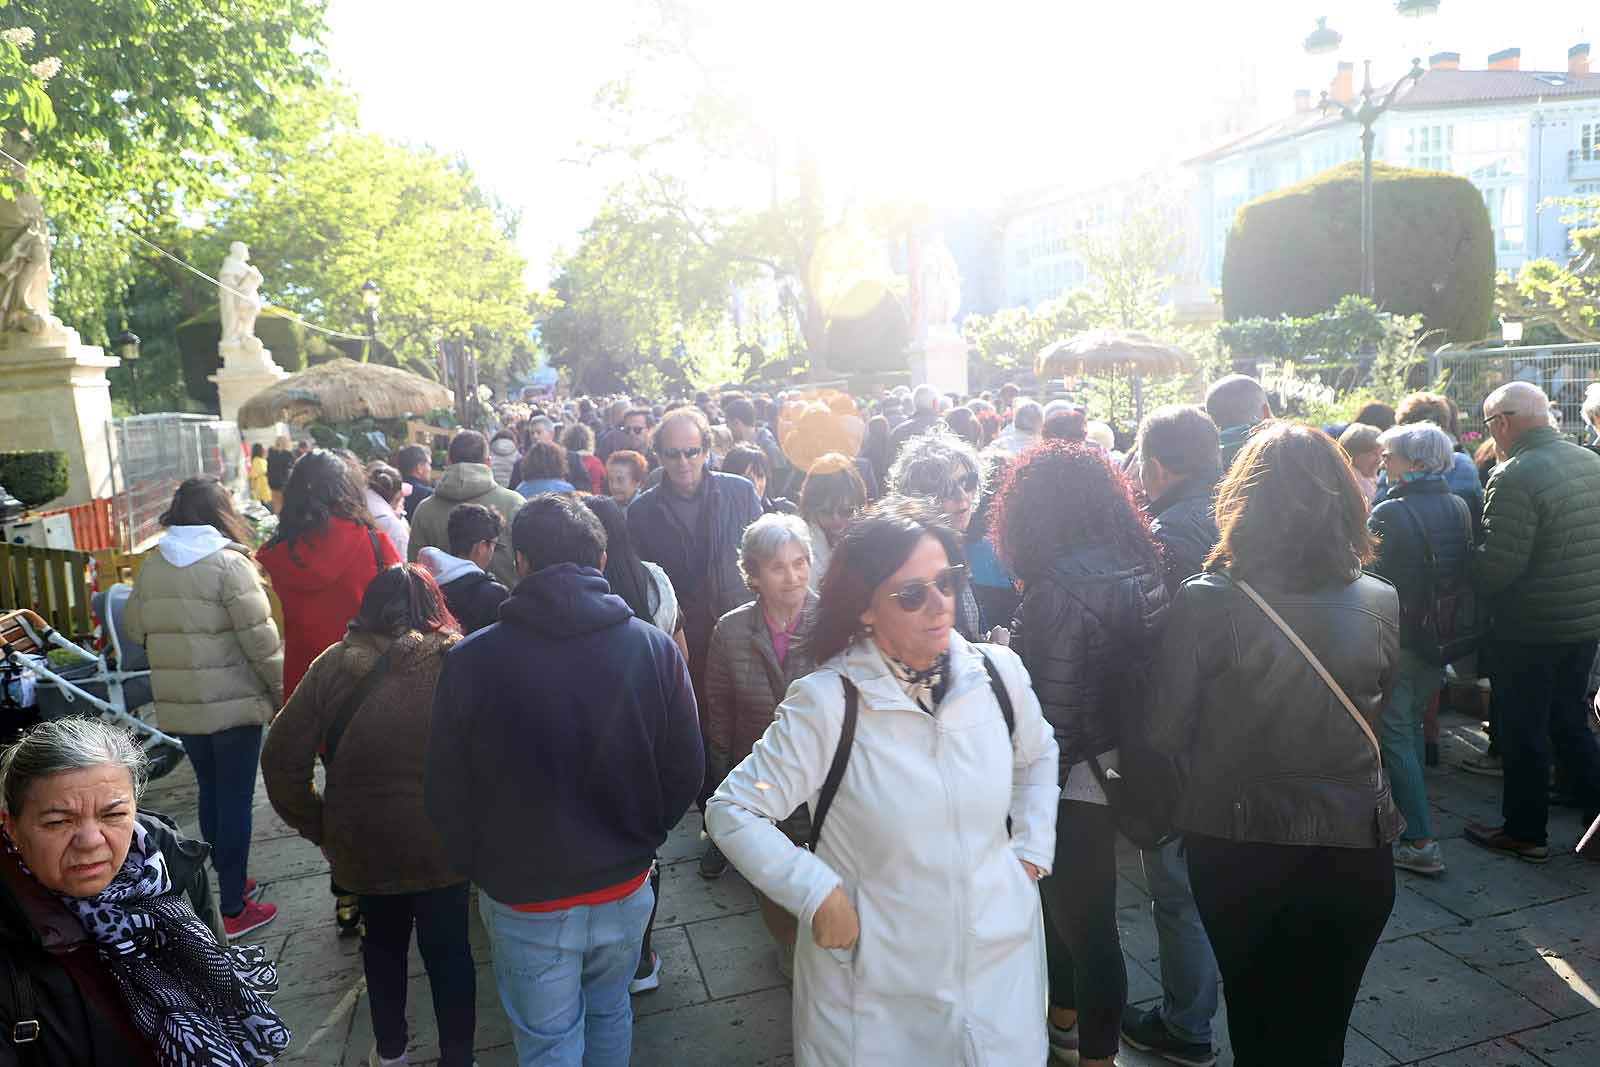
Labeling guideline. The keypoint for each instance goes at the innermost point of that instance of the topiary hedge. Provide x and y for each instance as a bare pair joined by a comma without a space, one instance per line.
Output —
1298,251
34,477
293,347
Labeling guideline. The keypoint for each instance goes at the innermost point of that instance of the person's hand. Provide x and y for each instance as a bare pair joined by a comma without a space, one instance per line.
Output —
999,636
1034,873
836,925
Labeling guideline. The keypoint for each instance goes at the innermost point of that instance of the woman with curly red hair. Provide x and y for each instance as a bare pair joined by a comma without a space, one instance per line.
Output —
1093,601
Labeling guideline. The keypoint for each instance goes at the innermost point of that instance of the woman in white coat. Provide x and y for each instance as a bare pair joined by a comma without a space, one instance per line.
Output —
925,941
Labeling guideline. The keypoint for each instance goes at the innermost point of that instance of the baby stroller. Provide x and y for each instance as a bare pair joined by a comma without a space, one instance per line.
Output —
111,686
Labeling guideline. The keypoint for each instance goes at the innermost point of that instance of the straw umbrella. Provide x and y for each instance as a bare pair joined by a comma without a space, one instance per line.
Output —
1111,352
342,390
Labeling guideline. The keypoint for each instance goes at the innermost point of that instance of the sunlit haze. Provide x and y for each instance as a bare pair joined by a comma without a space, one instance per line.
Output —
953,105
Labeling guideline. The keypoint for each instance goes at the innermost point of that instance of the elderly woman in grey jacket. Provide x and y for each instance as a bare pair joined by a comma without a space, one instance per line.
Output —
216,668
756,652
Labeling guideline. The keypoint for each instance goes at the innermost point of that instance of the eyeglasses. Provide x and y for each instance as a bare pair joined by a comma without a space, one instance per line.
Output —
1497,415
675,454
966,485
635,430
914,595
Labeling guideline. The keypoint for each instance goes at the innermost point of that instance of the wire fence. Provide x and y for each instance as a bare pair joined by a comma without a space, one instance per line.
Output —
1562,371
151,455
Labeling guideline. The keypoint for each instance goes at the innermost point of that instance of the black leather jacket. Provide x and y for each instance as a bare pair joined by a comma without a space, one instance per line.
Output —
1273,756
1083,625
1183,522
1400,521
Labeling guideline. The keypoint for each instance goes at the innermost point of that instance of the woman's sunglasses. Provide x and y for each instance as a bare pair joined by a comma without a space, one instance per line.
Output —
914,595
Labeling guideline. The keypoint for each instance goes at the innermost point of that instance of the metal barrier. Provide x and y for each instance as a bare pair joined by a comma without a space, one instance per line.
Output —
153,454
53,582
1562,371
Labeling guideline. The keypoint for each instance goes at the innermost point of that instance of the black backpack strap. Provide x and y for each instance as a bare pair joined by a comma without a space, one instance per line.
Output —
1001,694
841,757
352,704
377,556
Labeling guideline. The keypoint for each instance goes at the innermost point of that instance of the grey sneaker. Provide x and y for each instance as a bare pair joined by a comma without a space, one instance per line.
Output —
1424,859
1484,764
713,864
1144,1030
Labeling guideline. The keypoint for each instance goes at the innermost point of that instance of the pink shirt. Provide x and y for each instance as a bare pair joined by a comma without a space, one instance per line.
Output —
782,636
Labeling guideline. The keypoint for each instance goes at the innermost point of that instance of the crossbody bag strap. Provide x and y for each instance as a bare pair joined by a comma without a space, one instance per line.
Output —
352,704
377,554
841,758
1316,665
24,1029
1001,694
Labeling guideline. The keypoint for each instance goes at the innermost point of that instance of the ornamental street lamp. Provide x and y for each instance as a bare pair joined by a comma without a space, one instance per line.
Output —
1416,9
127,343
1322,40
370,297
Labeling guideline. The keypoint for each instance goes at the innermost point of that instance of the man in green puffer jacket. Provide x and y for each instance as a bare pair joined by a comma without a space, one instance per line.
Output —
468,480
1539,569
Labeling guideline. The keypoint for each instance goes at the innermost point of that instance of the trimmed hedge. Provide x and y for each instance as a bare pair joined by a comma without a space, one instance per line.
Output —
35,477
1298,251
293,347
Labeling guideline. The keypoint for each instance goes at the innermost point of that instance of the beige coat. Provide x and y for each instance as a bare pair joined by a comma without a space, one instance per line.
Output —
216,657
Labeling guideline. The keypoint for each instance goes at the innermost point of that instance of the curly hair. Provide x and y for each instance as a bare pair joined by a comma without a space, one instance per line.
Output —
1060,496
1290,508
545,459
933,464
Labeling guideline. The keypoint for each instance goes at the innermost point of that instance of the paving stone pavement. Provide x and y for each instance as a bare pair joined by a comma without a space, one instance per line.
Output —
1496,964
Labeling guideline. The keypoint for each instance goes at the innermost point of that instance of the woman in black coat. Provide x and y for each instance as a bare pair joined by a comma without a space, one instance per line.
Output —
1093,601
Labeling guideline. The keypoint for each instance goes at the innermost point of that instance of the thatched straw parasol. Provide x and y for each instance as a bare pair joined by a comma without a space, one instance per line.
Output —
342,390
1102,351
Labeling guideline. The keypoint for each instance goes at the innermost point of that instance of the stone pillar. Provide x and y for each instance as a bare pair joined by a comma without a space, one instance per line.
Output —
56,396
247,369
942,361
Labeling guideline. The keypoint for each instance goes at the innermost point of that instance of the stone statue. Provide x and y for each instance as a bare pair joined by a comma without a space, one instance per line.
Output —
25,271
242,304
940,284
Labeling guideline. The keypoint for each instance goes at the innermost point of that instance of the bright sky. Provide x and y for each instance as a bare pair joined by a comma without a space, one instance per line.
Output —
953,104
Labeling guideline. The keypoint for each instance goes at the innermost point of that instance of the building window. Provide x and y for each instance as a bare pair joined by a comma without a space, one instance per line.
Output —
1508,207
1589,142
1429,147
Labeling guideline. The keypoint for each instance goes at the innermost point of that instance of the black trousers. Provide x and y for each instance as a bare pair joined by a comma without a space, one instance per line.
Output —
1082,948
1293,927
1540,714
440,916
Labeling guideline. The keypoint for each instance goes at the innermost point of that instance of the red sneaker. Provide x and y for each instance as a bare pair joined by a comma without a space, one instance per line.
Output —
251,890
253,917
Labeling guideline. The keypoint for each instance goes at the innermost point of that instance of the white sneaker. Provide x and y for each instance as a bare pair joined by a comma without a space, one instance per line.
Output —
1428,859
376,1060
650,982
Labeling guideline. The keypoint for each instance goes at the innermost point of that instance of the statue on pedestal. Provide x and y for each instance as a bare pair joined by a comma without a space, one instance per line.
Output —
25,260
238,298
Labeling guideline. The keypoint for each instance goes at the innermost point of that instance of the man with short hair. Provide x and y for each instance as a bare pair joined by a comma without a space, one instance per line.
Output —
471,594
552,784
1180,463
1027,419
467,480
925,401
625,473
1539,565
1237,404
740,413
415,465
612,436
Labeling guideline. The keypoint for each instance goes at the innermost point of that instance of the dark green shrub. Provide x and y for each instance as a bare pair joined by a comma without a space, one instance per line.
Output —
1298,251
293,348
34,477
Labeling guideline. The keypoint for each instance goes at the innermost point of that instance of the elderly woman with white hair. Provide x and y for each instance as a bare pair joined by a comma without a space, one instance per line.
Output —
947,472
1425,546
756,651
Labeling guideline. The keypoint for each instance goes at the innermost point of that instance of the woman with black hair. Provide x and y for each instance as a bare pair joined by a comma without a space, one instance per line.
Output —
920,938
366,706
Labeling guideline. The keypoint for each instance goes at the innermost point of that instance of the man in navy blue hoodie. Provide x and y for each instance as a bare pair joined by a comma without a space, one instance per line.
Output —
564,746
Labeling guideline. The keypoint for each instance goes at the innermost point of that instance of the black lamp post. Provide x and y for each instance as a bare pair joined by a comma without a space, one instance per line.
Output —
127,343
370,296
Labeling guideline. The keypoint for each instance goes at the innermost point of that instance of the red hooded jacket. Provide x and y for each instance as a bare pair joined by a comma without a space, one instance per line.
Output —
321,588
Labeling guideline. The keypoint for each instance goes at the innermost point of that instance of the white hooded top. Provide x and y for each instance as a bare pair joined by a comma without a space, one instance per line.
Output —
184,546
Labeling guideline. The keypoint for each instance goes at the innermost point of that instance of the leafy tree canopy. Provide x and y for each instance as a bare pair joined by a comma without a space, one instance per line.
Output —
1567,296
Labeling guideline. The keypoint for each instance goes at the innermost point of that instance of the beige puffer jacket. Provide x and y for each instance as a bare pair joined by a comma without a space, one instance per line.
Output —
216,657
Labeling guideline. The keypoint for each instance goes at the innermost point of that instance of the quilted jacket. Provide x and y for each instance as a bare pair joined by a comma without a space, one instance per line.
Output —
1540,558
1084,624
745,685
1183,522
1412,510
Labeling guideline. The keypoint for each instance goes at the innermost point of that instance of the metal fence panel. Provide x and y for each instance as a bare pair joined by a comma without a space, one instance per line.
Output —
153,456
1562,371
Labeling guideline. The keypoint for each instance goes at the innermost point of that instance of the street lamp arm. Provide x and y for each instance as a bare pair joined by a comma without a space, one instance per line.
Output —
1414,74
1330,104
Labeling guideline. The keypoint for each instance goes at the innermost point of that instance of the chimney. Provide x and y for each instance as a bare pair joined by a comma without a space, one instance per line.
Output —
1302,101
1506,59
1343,88
1578,60
1445,61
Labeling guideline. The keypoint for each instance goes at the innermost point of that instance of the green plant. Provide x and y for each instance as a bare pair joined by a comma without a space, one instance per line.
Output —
1298,251
34,477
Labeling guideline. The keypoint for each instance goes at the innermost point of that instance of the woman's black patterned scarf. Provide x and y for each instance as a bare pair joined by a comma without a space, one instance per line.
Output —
200,1004
926,687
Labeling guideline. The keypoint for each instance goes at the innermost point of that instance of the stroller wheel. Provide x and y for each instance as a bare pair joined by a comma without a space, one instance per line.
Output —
164,759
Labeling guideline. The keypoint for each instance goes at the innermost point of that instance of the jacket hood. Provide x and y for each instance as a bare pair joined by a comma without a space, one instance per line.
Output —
320,559
565,600
466,481
361,650
444,567
503,447
183,546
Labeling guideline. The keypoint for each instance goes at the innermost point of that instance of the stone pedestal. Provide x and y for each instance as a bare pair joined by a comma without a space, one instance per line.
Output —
54,395
942,361
247,369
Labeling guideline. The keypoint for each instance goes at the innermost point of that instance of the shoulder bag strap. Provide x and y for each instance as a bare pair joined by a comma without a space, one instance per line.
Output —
352,704
1316,665
1429,557
24,1029
1001,694
841,757
377,556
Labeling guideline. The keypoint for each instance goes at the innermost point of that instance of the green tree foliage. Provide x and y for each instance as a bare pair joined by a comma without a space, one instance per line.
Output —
34,477
1298,251
1566,297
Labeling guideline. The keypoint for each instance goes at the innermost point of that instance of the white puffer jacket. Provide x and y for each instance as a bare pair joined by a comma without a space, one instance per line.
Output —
200,610
949,969
502,458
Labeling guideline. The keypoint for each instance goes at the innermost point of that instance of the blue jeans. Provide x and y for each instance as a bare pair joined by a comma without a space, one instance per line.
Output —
1400,736
1188,967
225,769
563,978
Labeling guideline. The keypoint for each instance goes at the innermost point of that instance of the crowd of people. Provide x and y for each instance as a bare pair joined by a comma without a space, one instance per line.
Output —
918,662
